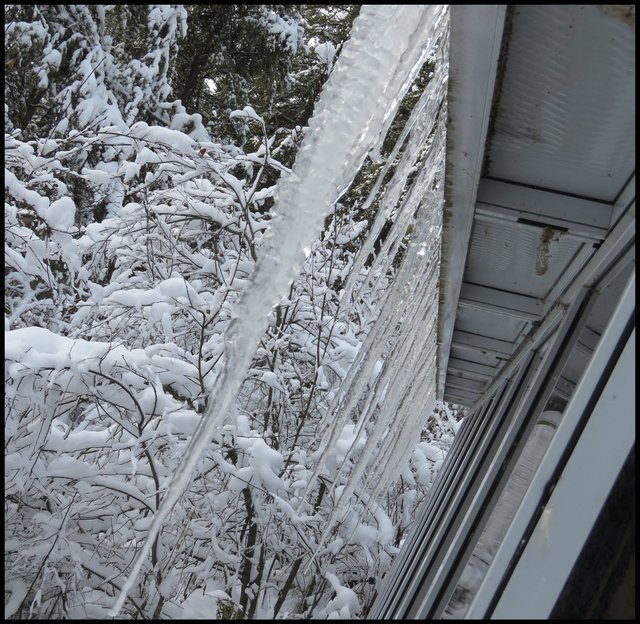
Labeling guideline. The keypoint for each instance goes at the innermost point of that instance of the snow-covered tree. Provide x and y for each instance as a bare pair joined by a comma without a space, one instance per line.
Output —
130,234
84,66
234,55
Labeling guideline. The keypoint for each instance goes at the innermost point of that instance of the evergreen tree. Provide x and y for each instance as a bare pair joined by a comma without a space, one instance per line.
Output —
233,56
84,66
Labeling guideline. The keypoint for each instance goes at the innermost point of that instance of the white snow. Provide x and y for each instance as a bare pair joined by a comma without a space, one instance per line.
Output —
97,176
325,52
388,374
174,289
265,462
40,203
248,113
345,603
157,134
271,379
53,58
17,591
284,29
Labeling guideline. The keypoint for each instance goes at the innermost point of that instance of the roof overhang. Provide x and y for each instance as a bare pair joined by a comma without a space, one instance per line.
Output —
540,166
475,40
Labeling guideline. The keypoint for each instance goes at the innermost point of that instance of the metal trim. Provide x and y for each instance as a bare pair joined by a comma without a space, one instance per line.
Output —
477,491
582,218
474,52
533,596
503,302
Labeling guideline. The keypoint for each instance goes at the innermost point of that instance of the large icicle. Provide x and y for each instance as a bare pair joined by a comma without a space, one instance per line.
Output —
376,344
397,400
410,142
405,388
376,67
408,284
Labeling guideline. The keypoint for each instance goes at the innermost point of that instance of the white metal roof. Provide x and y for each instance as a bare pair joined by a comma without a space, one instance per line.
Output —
540,165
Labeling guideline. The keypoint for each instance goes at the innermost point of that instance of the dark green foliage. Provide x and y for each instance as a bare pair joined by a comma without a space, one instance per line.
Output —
230,59
23,96
234,56
324,25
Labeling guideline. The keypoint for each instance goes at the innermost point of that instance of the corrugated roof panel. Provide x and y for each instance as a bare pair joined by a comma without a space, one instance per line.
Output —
566,66
479,356
518,257
485,323
559,151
